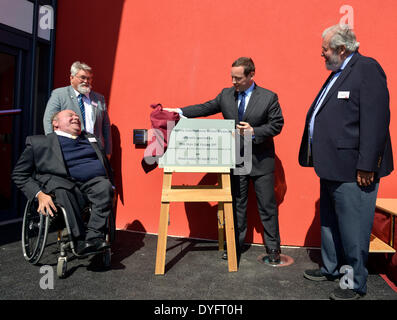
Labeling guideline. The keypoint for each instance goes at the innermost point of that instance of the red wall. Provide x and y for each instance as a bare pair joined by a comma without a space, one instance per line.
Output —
179,52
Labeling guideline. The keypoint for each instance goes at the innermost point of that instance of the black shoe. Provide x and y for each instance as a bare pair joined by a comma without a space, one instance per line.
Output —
82,247
224,255
274,256
99,244
317,275
345,294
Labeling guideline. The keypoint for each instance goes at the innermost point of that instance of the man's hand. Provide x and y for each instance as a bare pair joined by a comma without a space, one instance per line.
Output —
364,178
242,126
45,204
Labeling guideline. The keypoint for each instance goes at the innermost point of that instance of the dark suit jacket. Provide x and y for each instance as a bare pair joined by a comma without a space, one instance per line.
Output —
41,165
263,113
353,133
65,99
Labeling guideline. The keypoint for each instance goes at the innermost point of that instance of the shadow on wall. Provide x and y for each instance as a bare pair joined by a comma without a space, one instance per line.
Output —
313,238
94,40
202,217
280,189
95,43
115,162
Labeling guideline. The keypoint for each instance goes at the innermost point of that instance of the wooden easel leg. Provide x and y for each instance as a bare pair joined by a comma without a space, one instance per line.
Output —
221,227
230,237
163,226
162,238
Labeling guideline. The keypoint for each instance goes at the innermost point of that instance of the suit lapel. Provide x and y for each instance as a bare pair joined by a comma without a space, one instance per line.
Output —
56,150
97,150
76,109
345,72
309,113
234,104
94,105
72,96
251,103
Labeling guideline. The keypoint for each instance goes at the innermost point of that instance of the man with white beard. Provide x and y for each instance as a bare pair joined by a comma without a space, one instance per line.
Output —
88,104
347,141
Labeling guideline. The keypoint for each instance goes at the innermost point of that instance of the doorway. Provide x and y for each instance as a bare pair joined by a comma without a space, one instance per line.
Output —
10,126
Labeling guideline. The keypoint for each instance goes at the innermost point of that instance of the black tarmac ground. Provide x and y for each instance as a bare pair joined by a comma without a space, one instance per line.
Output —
195,275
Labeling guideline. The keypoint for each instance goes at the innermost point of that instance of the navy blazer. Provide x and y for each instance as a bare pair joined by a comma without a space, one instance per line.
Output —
263,113
351,133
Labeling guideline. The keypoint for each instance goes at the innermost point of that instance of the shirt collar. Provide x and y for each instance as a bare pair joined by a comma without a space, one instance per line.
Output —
65,134
249,90
78,93
346,61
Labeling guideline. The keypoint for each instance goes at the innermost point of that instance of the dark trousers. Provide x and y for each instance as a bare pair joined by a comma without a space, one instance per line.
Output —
267,207
97,192
346,214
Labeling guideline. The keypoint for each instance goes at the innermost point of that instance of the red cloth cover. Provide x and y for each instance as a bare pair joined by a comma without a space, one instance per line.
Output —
162,124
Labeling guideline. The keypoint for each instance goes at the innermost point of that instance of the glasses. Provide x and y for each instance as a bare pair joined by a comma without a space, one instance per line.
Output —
84,78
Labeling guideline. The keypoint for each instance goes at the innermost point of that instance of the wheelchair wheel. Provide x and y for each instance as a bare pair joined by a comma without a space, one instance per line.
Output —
62,267
34,232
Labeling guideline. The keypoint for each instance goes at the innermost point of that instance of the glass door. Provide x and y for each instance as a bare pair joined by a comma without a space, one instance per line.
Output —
10,111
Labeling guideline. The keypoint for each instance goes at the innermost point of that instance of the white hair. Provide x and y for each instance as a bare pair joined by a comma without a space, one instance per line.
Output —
342,35
77,66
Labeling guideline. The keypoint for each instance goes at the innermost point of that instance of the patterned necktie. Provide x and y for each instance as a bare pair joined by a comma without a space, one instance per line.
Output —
241,107
81,105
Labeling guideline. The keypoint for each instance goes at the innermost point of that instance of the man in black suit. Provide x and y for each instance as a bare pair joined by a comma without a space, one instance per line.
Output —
256,110
347,140
72,166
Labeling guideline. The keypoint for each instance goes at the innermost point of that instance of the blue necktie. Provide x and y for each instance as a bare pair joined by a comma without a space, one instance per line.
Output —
241,107
81,105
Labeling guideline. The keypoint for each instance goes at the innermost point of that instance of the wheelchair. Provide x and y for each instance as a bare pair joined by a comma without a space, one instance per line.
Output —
35,230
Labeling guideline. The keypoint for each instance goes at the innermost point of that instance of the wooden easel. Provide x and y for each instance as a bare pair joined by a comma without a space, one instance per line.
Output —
220,193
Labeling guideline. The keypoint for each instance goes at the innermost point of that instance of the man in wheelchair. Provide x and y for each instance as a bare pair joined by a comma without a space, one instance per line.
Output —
69,166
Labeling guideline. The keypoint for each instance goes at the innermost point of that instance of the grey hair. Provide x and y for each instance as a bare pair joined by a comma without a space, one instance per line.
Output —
342,35
77,66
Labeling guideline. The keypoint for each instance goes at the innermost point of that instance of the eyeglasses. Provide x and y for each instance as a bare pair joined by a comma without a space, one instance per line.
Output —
84,78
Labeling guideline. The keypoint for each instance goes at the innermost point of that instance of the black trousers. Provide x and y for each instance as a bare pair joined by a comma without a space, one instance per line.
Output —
267,207
97,192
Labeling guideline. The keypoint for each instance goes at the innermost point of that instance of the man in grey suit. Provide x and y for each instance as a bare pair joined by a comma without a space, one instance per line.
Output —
71,166
257,111
89,105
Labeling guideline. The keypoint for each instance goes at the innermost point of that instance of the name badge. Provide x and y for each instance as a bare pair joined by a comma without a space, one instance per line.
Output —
94,103
92,139
343,94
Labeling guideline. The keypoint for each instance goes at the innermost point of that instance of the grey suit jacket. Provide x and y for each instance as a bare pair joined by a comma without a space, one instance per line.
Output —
41,165
263,113
65,99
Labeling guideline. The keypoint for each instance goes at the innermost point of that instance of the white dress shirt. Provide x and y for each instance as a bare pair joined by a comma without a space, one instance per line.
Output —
89,118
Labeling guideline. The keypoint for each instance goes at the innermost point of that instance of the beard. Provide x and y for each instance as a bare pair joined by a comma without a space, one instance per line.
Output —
84,89
334,62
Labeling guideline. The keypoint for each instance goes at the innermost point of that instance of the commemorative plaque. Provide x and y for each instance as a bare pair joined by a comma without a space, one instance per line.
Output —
201,143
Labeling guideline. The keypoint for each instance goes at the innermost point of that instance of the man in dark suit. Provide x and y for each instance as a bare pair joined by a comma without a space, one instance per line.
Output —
89,105
72,166
256,110
347,140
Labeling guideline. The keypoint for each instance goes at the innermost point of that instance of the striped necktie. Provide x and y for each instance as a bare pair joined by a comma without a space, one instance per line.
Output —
81,105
